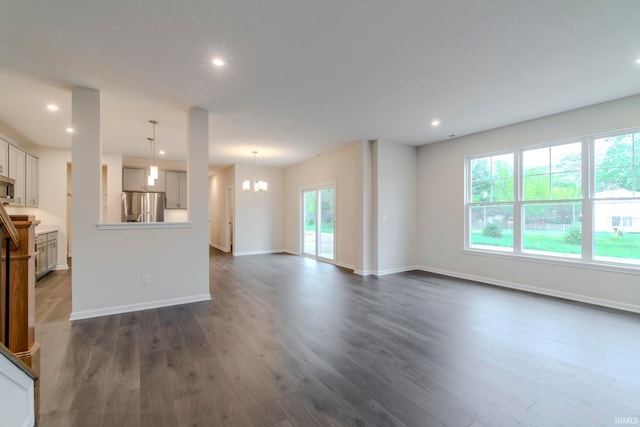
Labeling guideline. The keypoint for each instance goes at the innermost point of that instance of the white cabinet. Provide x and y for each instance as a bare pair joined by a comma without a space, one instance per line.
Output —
134,180
52,250
176,190
4,158
31,181
161,182
17,159
47,252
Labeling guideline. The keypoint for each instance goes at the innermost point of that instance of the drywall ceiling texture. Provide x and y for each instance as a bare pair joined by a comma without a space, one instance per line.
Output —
441,207
308,77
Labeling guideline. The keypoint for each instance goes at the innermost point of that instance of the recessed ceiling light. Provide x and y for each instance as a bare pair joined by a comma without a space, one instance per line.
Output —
217,61
162,152
52,107
70,130
435,123
638,61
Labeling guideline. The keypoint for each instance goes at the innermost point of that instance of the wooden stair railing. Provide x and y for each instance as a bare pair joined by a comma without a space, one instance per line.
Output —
17,292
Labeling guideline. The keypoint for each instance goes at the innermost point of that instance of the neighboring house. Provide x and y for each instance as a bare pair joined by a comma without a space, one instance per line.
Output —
618,216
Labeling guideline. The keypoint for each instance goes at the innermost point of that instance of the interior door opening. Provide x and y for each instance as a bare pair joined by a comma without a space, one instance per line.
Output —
318,225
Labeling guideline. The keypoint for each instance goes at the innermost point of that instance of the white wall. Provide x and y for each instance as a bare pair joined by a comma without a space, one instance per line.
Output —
16,395
394,207
108,264
218,184
344,169
259,217
441,209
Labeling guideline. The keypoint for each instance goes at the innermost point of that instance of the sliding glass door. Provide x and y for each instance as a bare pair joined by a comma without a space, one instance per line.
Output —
318,227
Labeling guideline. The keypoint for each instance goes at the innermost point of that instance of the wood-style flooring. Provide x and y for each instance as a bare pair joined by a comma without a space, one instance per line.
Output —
288,341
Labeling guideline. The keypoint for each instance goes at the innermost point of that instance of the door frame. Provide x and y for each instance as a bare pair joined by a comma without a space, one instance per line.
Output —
229,217
318,188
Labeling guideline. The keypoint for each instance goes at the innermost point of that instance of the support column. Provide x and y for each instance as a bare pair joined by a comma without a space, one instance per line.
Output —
198,188
86,175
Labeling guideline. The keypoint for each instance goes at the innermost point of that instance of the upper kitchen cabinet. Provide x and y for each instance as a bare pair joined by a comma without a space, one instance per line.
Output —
4,158
17,164
136,180
176,190
31,181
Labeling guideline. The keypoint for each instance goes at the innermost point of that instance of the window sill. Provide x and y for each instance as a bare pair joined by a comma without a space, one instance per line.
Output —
564,262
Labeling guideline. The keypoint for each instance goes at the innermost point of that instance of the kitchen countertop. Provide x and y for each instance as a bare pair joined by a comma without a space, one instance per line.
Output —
44,229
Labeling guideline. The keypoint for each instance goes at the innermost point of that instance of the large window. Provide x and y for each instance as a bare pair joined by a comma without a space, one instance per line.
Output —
578,199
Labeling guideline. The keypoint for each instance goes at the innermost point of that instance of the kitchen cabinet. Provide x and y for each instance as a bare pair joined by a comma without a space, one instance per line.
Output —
136,180
46,252
52,250
17,159
176,190
31,181
4,158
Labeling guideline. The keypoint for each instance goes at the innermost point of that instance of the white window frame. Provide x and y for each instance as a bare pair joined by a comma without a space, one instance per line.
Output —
587,258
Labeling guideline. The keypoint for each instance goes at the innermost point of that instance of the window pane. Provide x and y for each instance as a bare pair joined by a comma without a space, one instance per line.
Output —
536,161
480,191
613,151
553,229
502,166
617,231
492,178
536,187
566,185
502,190
614,182
553,172
481,169
636,150
566,157
492,227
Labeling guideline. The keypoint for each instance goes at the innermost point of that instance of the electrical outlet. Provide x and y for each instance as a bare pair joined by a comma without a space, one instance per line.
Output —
146,279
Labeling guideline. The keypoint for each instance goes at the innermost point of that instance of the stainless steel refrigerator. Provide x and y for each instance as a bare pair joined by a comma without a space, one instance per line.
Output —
143,207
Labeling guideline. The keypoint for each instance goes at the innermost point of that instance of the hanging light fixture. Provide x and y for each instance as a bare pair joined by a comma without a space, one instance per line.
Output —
257,185
153,168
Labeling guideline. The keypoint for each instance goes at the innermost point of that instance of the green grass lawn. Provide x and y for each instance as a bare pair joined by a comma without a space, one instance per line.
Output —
606,244
324,228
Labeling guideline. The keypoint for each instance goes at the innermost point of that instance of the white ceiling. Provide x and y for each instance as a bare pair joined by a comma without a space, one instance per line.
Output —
305,77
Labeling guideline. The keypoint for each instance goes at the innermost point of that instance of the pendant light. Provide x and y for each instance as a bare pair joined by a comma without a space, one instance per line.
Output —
258,186
153,168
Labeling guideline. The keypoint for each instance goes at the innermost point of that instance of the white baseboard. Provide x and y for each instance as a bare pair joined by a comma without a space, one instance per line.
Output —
291,252
344,265
268,251
536,290
223,249
396,270
107,311
61,267
385,272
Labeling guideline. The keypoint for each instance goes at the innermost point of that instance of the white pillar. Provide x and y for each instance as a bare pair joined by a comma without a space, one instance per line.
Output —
198,187
86,172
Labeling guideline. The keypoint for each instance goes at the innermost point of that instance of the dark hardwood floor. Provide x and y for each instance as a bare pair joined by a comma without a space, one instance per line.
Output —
288,341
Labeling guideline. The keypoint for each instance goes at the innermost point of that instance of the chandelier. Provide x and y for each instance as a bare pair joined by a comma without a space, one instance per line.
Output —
257,185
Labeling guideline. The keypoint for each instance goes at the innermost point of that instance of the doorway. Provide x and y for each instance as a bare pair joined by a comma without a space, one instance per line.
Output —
230,217
318,225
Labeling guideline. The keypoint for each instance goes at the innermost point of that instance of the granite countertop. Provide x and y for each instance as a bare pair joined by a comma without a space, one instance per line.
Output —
45,228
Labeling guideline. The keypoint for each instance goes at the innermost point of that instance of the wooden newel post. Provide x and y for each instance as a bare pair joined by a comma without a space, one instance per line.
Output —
22,283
